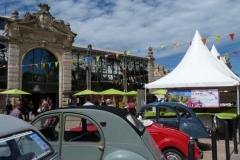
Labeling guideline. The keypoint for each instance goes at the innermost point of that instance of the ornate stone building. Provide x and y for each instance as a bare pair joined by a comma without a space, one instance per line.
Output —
38,55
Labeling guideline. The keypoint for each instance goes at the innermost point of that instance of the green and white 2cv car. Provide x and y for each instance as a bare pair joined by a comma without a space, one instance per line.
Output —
97,132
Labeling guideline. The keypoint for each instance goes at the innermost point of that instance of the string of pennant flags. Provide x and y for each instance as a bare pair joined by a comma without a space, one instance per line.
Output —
88,59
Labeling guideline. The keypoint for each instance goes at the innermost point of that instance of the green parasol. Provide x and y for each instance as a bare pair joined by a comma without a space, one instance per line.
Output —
131,93
112,92
160,92
14,91
85,92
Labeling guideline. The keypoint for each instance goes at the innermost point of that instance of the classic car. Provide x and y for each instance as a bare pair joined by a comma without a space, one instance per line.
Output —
194,102
172,141
19,140
175,114
106,133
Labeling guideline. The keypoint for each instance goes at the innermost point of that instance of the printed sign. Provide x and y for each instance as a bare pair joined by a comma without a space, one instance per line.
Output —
201,98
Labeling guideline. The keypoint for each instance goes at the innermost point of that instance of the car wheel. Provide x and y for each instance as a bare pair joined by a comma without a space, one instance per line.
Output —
172,154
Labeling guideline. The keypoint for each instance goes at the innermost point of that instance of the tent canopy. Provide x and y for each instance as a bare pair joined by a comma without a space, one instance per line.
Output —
220,60
198,68
85,92
160,92
14,91
131,93
112,92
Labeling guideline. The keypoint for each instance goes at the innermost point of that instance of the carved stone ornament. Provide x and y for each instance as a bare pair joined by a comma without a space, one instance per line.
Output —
38,37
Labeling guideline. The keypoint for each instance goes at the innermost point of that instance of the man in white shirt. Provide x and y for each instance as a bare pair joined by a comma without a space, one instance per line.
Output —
88,103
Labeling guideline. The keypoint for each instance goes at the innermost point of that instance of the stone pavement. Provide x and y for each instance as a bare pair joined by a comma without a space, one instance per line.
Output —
205,145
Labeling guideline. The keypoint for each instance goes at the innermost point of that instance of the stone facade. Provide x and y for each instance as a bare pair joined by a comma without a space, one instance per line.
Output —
39,30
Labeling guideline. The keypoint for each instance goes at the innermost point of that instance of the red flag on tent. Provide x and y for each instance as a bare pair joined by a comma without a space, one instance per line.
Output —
231,36
235,52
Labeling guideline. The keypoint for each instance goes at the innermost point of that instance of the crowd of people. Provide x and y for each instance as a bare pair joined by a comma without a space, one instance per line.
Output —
129,107
23,109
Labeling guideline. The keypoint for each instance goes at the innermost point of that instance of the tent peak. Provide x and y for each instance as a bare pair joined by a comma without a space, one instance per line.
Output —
214,51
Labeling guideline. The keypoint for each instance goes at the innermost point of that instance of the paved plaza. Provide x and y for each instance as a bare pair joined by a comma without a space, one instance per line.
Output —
205,145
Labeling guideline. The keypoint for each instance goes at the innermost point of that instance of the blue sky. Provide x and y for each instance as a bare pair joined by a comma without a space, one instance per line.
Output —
134,25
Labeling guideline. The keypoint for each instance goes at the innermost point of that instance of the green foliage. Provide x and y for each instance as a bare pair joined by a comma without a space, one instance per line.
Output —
173,98
185,99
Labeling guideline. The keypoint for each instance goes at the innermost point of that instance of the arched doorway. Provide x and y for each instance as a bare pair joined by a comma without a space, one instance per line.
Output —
3,66
40,76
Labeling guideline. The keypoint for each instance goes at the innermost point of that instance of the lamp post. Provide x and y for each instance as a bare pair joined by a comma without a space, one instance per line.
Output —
124,72
88,67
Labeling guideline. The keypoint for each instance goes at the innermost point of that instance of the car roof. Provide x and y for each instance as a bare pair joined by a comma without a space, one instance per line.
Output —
117,111
114,110
10,124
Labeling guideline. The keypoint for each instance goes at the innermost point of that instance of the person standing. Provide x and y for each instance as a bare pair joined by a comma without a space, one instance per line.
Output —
50,104
17,111
88,102
25,109
132,107
30,108
45,105
109,102
9,107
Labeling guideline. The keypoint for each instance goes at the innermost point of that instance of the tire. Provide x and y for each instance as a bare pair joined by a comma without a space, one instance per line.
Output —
173,154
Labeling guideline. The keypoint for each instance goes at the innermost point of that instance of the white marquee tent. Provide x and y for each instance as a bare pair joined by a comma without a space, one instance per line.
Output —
221,61
198,68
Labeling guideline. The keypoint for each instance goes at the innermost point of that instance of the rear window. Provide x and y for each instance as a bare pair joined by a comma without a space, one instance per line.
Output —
135,122
23,146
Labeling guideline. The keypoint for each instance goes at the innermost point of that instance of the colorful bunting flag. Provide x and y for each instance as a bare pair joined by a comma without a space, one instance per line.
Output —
175,45
36,65
139,50
117,55
97,58
106,55
218,57
235,52
72,61
217,38
49,64
162,46
56,64
64,63
231,36
127,52
43,65
227,55
204,41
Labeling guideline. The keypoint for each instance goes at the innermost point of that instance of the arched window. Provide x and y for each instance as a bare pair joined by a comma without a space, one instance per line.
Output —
3,66
40,69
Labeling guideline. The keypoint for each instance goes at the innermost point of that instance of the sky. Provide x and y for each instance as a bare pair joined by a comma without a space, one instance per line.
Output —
136,25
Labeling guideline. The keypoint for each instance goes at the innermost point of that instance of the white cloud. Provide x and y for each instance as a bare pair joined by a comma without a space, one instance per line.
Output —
138,24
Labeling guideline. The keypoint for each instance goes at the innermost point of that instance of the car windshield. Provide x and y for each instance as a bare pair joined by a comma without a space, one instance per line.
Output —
25,145
135,122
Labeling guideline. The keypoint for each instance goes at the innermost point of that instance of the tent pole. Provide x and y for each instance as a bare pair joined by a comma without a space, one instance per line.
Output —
238,100
145,96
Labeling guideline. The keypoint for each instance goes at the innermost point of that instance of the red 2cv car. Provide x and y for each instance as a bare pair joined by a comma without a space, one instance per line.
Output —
171,141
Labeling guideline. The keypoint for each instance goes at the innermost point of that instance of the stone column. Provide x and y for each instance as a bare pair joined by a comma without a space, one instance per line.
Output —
150,67
66,77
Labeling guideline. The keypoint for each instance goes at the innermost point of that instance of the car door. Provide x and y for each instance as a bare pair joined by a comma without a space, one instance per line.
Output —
168,115
190,123
82,138
50,126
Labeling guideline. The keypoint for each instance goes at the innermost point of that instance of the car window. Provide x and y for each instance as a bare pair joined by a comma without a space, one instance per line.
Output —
49,127
25,145
78,128
149,113
167,112
183,112
136,123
